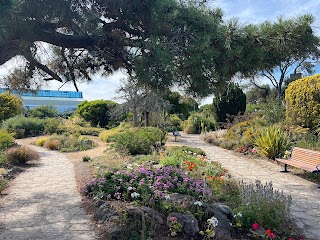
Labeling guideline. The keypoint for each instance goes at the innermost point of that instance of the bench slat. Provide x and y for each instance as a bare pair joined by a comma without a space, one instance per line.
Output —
305,159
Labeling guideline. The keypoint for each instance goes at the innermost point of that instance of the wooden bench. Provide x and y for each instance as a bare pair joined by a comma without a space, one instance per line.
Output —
302,158
175,134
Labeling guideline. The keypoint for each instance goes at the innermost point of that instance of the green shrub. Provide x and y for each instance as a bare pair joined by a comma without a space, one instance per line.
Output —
109,135
86,158
21,155
303,102
196,123
68,143
97,112
273,111
272,141
177,156
10,105
67,127
31,126
138,140
43,112
3,159
3,184
6,140
52,126
175,121
40,141
261,204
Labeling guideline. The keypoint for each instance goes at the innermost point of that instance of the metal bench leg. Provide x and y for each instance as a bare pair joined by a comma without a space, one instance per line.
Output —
175,138
285,168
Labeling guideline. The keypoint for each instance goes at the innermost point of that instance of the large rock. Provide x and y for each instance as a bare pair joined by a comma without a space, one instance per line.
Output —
150,215
180,200
189,223
106,212
224,215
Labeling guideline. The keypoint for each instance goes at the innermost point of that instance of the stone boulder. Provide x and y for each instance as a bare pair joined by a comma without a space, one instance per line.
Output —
183,201
225,216
189,224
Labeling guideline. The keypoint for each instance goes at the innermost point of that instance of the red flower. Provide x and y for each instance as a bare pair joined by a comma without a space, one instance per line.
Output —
268,232
255,226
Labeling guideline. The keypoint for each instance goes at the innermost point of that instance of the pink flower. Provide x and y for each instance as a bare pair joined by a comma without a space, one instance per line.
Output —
291,239
272,235
173,219
255,226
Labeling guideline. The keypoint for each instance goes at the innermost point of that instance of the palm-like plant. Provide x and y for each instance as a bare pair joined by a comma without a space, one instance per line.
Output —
272,141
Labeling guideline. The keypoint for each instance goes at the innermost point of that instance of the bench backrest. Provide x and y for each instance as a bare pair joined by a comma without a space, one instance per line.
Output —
305,156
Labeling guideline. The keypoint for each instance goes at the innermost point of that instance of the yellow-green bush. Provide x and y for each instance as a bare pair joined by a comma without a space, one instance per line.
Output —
108,135
303,102
244,131
6,140
40,141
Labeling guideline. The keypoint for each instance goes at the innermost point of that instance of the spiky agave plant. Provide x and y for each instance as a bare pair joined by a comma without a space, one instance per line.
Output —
272,141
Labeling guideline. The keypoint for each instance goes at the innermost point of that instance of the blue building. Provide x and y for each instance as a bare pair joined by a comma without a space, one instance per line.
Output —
62,100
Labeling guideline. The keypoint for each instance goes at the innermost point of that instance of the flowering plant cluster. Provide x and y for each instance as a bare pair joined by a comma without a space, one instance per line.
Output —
175,226
265,234
246,150
130,185
210,233
191,165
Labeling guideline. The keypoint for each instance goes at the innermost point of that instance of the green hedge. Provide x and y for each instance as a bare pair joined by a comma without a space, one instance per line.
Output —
139,140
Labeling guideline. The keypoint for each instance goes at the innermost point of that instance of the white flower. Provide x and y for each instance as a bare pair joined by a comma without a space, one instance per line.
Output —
239,214
135,195
129,166
198,203
167,197
213,222
129,188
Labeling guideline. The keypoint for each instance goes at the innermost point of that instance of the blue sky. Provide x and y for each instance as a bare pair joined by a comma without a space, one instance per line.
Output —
247,11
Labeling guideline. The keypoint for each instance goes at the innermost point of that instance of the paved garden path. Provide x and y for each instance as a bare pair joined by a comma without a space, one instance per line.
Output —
44,203
305,210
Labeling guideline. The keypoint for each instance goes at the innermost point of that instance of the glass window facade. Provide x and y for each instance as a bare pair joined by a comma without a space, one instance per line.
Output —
47,93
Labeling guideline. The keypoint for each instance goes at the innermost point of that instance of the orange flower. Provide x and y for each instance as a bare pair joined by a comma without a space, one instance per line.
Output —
193,164
268,232
210,177
188,163
190,168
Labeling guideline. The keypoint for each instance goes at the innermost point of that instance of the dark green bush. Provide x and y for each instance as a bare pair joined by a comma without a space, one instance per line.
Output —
138,140
232,101
86,158
31,126
43,112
